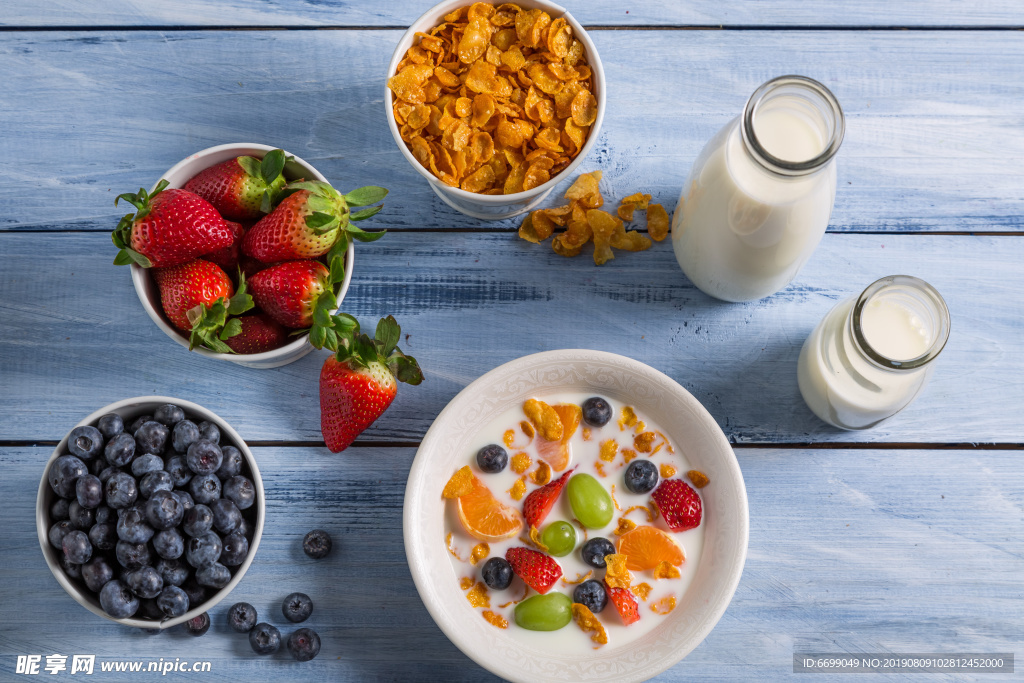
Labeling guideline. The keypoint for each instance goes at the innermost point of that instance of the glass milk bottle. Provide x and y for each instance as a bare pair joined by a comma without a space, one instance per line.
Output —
760,193
872,354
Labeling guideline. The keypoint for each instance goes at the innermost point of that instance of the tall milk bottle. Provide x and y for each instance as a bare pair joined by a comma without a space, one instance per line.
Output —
760,193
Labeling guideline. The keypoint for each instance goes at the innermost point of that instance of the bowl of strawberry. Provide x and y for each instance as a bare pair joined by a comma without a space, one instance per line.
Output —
243,252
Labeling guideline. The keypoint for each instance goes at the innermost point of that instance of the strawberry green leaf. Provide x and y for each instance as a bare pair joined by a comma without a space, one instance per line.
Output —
363,349
337,270
327,300
138,258
272,165
345,324
123,258
332,340
317,336
365,213
241,301
267,202
231,329
339,248
407,370
320,221
321,316
388,333
362,236
364,196
136,199
251,165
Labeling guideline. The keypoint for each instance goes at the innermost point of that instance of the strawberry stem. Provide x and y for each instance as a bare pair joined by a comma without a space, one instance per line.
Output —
211,325
122,234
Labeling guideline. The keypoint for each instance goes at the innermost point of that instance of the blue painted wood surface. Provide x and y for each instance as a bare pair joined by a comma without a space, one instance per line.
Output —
850,550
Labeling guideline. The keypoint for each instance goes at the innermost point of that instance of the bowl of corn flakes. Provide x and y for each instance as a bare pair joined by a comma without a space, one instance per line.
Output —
495,104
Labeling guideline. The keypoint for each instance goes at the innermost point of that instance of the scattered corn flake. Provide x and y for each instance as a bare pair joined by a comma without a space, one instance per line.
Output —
624,526
665,570
642,442
664,606
637,199
466,582
521,462
477,596
509,437
518,489
642,590
544,418
616,575
584,186
641,426
657,222
599,466
627,418
479,552
535,537
580,578
628,454
528,429
495,619
608,450
451,549
667,471
586,620
649,511
541,475
586,434
614,501
664,438
460,484
698,479
625,212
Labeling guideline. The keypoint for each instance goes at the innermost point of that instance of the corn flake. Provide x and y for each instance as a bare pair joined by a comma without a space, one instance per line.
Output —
665,570
544,418
642,442
616,575
667,471
478,596
541,475
628,454
608,450
460,484
495,619
521,462
664,606
466,582
479,552
642,590
627,418
586,620
698,479
624,526
657,222
518,489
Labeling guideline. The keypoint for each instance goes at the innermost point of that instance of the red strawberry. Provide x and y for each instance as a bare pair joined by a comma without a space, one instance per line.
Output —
310,222
182,288
537,570
289,292
359,383
679,504
227,257
540,501
243,187
251,266
625,603
171,227
256,333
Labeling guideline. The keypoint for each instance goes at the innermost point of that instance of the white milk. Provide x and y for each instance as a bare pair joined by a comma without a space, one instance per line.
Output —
894,330
742,229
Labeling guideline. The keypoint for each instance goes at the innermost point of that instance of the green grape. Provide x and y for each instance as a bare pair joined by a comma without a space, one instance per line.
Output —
548,612
559,537
590,502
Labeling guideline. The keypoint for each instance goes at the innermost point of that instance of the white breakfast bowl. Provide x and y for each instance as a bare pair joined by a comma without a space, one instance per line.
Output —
446,447
129,409
149,293
496,207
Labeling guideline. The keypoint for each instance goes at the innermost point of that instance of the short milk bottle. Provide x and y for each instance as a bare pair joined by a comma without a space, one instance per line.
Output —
872,354
760,193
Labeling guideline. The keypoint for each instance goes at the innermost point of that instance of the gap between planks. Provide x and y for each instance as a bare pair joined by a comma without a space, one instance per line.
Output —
649,27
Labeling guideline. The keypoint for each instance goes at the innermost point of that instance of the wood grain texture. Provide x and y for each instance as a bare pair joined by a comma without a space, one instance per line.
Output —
850,551
468,302
589,12
932,139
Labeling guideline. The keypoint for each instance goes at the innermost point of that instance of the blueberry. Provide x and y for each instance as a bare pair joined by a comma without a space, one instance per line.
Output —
184,434
244,529
186,499
153,482
205,488
89,490
96,572
230,464
209,431
172,601
596,411
148,609
151,437
497,573
317,544
202,551
179,471
80,517
120,450
144,464
197,521
196,593
58,531
132,526
492,458
242,617
117,601
595,550
641,476
97,465
240,491
145,582
64,474
103,536
70,568
164,510
304,644
168,415
592,594
138,422
77,547
104,515
132,555
198,626
226,516
169,544
204,457
110,425
264,639
215,575
106,473
121,490
172,571
85,442
59,509
297,607
236,547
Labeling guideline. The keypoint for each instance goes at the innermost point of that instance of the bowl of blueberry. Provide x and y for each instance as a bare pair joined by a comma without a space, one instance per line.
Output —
150,511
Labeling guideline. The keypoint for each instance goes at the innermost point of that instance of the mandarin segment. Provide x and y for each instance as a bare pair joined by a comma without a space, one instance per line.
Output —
645,547
484,517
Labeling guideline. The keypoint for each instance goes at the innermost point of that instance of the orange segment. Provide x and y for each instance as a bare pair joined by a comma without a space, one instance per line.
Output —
556,453
484,517
645,547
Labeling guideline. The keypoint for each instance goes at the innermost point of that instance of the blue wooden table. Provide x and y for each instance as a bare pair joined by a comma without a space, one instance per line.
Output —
905,538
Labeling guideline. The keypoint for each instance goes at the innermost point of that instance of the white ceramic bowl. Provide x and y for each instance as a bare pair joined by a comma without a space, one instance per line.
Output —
445,448
149,293
496,207
129,409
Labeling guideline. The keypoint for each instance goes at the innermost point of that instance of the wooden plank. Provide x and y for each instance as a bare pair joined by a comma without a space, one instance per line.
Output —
850,552
590,13
74,336
931,143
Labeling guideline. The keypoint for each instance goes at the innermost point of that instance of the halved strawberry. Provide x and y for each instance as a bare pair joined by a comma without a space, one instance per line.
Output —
537,570
625,603
679,504
242,188
540,501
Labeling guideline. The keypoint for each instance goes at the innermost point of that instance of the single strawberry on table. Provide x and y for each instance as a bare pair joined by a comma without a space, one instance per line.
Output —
540,501
678,503
244,187
359,382
537,570
169,227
